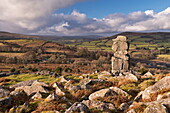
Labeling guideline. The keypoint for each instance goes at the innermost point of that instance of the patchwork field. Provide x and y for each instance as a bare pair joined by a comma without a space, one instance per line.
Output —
150,41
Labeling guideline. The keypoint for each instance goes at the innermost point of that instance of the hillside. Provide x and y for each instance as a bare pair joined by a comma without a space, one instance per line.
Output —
150,40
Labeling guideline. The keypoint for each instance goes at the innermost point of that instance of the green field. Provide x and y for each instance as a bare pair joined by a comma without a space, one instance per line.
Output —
137,40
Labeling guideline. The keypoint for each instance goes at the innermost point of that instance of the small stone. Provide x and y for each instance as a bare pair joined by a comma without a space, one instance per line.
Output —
37,96
51,97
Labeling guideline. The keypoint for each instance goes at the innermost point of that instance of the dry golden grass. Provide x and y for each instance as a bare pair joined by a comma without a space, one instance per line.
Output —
164,56
11,54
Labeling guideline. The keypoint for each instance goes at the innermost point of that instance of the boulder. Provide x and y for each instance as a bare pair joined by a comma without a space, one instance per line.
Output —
112,91
74,88
20,109
165,102
34,88
156,108
64,79
163,96
147,75
120,91
19,97
58,90
24,83
3,92
51,97
132,111
5,102
127,76
37,96
161,85
123,106
105,107
78,107
37,83
102,93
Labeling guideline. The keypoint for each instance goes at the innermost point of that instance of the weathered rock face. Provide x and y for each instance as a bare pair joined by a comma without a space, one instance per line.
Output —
37,96
112,91
161,85
156,108
120,60
52,96
3,92
24,83
34,88
78,107
105,107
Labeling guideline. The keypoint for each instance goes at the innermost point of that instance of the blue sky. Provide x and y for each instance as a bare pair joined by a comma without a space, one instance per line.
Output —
82,17
102,8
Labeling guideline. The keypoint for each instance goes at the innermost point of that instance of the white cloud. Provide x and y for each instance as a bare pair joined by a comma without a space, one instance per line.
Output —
30,14
36,16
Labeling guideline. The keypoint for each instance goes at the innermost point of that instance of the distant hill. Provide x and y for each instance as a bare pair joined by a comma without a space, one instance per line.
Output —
61,39
8,36
153,35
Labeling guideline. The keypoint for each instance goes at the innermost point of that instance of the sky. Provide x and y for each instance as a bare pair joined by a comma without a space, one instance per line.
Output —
83,17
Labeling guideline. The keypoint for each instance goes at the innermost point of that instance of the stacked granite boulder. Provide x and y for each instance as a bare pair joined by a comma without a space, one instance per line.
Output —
120,60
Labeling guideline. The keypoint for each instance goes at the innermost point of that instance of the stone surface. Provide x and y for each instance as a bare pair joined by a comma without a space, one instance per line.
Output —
163,96
24,83
37,83
123,106
112,91
37,96
127,76
64,79
78,107
4,102
20,109
156,108
34,88
161,85
107,107
3,92
120,60
165,102
58,90
132,111
52,96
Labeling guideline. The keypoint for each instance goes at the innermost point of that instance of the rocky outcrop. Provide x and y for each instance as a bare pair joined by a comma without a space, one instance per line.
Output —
128,76
105,107
78,107
24,83
58,89
37,96
52,96
3,92
20,109
163,96
161,85
112,91
156,108
34,88
5,102
120,60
